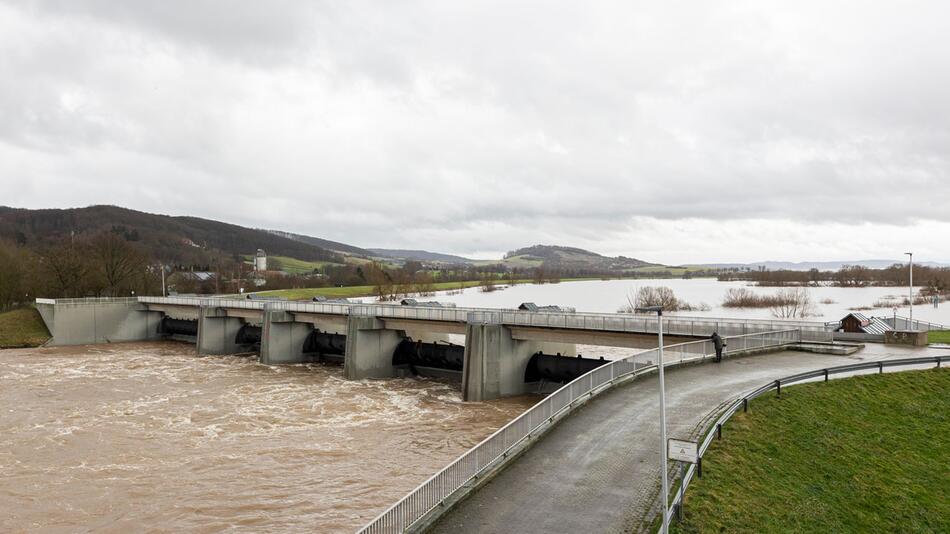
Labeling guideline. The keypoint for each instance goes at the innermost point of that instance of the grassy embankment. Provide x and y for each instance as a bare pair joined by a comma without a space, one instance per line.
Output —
938,336
862,454
22,328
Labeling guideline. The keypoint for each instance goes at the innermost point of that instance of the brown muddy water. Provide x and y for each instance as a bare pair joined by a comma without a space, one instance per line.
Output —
151,437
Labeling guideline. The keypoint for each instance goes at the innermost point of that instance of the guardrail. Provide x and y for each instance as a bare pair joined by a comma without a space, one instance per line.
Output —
903,323
715,430
434,491
613,322
90,300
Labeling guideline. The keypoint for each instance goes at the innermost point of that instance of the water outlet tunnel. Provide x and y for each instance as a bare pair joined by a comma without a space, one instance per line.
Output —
415,355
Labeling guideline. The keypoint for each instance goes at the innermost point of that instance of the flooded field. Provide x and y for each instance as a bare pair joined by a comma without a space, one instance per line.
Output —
151,437
607,296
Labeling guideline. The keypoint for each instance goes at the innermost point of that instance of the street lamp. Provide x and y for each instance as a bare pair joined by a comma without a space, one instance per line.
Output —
663,470
910,289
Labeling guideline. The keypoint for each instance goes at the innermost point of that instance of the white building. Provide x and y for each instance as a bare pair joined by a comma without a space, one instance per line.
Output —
260,261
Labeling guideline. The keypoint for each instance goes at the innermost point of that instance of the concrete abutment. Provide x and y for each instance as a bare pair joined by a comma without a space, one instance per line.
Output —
103,321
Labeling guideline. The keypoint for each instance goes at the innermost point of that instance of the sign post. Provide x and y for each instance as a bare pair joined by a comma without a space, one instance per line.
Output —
664,528
684,452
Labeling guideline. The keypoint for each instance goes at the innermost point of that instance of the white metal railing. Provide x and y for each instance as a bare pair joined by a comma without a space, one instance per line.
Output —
90,300
434,491
903,323
613,322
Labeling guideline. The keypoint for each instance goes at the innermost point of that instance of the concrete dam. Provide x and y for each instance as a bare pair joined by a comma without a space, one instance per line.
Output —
506,352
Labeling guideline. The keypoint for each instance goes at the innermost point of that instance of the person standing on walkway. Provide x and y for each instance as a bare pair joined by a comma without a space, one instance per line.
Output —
719,344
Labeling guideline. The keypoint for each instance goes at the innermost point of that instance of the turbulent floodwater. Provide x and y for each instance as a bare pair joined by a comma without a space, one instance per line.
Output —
150,437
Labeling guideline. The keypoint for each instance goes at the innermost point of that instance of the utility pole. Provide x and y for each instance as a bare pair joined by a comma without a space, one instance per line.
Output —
664,528
161,266
910,288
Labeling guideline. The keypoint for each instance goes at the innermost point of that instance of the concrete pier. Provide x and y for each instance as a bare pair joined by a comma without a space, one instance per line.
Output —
282,338
495,362
217,331
369,348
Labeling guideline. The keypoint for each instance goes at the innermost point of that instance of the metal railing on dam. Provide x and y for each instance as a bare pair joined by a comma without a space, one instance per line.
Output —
742,402
89,300
606,322
433,493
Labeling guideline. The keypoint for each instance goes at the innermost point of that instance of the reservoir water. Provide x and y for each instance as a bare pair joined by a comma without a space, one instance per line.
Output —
607,296
150,437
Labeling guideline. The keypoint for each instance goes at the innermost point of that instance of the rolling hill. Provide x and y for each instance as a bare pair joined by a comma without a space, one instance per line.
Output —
418,255
183,240
195,241
555,256
334,246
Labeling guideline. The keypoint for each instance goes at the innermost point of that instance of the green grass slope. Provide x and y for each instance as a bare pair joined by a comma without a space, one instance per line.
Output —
864,454
939,336
22,328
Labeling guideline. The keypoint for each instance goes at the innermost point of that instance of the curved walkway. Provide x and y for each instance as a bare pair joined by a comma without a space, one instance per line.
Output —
599,469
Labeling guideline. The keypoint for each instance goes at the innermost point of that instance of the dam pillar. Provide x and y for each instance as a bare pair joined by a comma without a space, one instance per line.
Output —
217,332
282,338
98,320
369,348
495,363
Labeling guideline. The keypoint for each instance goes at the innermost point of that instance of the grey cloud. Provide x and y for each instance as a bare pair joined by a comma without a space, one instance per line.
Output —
378,122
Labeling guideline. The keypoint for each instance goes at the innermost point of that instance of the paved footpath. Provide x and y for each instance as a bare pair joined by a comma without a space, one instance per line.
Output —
599,469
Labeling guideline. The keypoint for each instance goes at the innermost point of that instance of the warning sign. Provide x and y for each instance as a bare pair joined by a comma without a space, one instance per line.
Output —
683,451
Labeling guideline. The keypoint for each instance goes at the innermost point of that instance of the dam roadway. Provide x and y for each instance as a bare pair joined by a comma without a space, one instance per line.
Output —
598,470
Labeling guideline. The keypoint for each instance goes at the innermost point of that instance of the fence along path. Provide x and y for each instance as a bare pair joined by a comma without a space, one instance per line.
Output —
611,322
742,403
494,449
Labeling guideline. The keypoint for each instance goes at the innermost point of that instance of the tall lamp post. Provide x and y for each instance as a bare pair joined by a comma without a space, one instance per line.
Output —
910,289
663,469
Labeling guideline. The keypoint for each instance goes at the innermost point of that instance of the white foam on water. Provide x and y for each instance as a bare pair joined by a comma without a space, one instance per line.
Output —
142,428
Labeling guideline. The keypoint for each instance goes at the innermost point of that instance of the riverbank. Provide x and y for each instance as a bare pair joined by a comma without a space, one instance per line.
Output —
862,454
22,328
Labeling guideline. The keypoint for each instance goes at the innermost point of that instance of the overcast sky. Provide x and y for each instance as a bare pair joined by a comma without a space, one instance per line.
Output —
669,131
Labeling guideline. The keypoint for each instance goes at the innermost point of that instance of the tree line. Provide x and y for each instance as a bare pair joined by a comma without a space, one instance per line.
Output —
933,279
104,265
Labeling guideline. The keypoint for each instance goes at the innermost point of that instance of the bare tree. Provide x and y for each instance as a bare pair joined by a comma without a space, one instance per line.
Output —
11,276
649,296
488,282
793,303
67,266
117,262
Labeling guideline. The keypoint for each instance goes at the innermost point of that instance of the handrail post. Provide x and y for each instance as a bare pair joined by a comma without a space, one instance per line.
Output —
719,431
778,388
745,404
826,375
